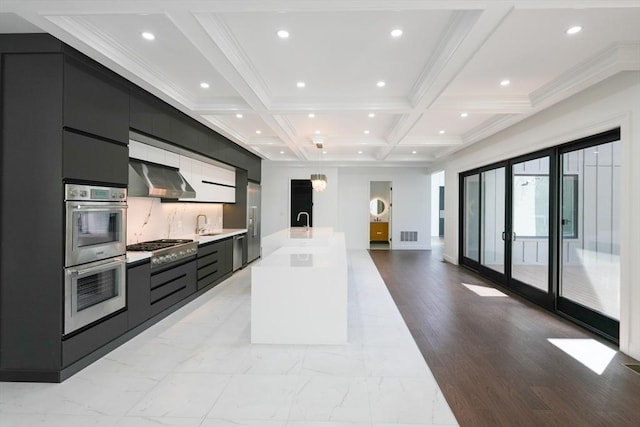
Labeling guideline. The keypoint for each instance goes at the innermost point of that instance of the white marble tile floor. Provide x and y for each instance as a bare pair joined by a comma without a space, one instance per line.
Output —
197,368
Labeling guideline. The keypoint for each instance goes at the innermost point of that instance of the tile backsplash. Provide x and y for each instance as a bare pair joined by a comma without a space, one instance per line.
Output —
149,219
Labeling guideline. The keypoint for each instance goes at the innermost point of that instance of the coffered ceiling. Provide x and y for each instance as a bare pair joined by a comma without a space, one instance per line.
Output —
442,76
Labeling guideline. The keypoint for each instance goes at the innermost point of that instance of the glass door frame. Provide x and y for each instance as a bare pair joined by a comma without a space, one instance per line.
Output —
544,299
588,318
493,275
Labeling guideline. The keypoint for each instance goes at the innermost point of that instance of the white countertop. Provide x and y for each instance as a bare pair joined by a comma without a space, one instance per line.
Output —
225,233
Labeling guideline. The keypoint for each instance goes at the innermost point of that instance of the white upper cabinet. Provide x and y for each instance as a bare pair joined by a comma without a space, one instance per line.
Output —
148,153
211,183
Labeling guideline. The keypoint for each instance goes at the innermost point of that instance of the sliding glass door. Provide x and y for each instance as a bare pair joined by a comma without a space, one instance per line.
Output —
546,225
492,231
471,218
590,238
529,236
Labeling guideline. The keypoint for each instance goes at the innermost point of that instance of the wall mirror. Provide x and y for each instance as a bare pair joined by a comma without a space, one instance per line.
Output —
377,206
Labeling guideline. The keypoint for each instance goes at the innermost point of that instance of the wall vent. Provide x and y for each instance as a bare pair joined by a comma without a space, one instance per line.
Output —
408,236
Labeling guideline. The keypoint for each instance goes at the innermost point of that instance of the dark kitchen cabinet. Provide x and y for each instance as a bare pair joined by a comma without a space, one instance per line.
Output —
86,158
95,102
87,341
170,286
138,294
215,262
67,118
31,194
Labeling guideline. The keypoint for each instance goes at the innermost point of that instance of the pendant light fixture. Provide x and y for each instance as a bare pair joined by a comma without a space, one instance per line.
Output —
319,180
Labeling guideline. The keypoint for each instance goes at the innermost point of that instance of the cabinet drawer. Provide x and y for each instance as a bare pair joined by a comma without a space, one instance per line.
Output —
209,259
208,270
171,286
379,231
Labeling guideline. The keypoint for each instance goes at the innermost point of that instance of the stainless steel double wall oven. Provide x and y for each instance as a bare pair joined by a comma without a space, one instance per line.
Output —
95,253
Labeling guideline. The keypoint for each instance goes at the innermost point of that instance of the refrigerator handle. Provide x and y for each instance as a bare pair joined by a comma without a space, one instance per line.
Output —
252,221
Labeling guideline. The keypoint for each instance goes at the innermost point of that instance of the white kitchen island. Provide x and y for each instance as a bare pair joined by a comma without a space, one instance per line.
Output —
299,288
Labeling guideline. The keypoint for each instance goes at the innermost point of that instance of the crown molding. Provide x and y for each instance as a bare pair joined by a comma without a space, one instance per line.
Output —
618,57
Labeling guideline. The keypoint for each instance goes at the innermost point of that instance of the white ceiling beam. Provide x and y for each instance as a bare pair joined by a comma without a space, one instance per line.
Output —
466,33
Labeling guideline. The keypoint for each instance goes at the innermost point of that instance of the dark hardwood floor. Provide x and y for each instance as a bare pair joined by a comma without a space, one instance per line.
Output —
491,357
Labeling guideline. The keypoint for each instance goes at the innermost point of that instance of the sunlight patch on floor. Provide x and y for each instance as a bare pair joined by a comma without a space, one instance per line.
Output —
485,291
589,352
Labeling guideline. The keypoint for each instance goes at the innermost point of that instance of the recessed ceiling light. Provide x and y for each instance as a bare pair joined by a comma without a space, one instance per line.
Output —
414,152
441,132
283,34
301,84
381,83
505,83
148,36
366,132
360,152
311,115
372,115
258,131
204,85
396,32
281,152
574,30
239,115
463,115
317,132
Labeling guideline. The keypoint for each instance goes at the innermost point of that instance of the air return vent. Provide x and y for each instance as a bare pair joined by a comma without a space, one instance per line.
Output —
408,236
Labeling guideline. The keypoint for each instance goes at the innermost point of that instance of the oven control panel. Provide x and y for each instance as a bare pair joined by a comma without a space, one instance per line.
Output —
94,193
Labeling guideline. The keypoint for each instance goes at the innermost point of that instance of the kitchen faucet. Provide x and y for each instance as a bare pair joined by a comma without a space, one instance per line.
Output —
304,213
200,229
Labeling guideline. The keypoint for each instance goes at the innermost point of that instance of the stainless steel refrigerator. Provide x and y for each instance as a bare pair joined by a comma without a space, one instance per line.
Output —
253,221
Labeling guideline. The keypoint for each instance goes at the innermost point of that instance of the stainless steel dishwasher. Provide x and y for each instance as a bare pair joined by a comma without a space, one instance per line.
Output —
238,242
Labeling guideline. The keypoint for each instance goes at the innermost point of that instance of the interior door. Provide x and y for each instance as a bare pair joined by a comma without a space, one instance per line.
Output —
301,201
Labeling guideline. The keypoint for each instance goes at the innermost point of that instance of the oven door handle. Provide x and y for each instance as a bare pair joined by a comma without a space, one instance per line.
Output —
94,208
101,266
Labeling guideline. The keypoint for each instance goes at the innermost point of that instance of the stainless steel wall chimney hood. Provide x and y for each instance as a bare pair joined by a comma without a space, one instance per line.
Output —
148,179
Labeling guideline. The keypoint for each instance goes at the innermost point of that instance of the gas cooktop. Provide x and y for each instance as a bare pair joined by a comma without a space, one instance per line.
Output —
154,245
166,251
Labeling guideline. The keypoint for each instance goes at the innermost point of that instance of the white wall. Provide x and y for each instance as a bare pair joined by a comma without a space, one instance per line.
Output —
613,103
276,196
344,205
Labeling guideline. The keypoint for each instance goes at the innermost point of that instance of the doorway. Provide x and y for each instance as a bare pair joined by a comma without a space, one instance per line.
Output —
380,215
437,209
301,203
